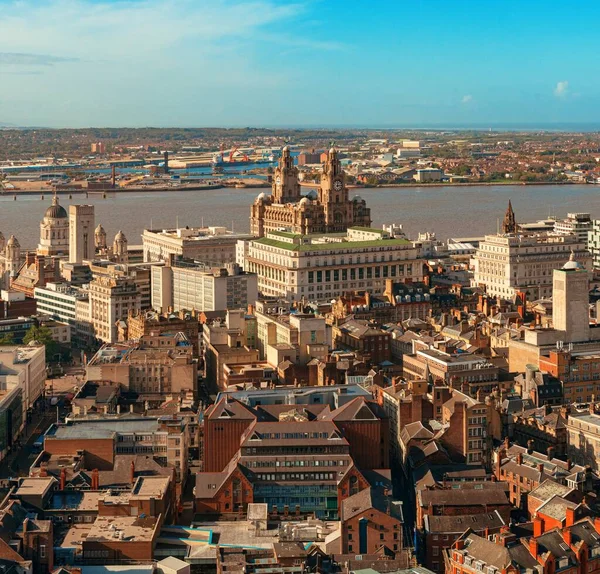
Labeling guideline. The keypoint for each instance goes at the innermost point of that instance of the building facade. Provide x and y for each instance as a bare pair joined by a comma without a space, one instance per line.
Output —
330,211
111,300
293,266
214,246
189,285
81,233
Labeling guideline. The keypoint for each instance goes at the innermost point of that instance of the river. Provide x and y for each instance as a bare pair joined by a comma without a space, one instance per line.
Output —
450,211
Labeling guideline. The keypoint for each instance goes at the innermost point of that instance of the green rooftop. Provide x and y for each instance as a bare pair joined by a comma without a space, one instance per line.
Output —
332,246
287,234
368,229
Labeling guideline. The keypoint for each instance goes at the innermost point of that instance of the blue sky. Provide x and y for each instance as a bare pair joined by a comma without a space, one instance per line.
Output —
79,63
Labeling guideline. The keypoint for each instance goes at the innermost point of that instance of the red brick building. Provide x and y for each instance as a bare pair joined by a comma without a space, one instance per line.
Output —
295,458
368,525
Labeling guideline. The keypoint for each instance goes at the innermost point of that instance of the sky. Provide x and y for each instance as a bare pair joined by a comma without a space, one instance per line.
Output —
279,63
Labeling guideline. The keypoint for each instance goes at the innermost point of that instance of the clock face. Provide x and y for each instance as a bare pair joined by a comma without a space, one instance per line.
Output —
337,185
278,180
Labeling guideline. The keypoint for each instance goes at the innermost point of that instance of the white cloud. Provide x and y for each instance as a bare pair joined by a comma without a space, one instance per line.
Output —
466,99
561,89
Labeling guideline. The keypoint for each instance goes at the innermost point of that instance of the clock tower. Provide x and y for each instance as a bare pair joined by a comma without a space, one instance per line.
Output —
333,194
286,187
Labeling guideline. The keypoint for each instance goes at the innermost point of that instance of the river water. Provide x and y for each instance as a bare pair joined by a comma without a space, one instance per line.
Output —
449,211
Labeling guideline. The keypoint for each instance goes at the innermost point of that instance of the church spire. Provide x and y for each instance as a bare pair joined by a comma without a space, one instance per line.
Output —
509,225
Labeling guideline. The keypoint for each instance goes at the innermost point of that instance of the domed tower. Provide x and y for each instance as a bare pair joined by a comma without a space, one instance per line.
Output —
120,248
54,230
286,186
100,238
13,256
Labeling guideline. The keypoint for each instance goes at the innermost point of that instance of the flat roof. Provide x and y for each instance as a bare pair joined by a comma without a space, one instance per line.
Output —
35,486
102,428
332,246
151,486
133,528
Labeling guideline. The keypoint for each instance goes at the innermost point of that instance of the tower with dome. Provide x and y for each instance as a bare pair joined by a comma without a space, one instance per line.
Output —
54,231
328,210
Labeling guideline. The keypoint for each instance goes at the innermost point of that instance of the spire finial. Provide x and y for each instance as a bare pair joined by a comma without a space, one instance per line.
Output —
572,256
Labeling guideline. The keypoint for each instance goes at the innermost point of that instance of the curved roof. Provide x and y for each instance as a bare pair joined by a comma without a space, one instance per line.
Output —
56,211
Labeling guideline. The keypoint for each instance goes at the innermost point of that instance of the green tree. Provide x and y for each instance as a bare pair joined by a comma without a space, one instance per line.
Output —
7,339
43,336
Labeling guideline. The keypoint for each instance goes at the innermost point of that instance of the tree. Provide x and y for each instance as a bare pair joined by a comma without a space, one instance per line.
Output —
43,336
7,339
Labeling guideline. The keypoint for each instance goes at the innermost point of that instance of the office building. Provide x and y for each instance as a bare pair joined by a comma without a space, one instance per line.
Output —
214,246
22,379
183,284
512,261
583,438
306,460
111,299
578,224
319,267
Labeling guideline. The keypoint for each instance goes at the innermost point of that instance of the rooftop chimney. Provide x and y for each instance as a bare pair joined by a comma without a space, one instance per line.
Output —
533,547
570,517
538,527
132,474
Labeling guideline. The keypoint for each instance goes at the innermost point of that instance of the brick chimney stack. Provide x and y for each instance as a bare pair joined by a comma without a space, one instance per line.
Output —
132,474
63,478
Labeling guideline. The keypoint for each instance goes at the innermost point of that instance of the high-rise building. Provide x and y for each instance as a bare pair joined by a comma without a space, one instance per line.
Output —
81,231
327,211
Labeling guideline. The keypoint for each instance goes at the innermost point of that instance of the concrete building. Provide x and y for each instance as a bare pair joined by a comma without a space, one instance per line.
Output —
227,344
572,331
189,285
147,370
59,301
81,233
429,174
22,379
593,243
570,301
214,246
105,437
329,210
319,267
583,439
308,335
459,370
578,224
507,264
111,300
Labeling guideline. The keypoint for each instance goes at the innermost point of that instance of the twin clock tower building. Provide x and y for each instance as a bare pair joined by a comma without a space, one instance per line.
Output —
328,210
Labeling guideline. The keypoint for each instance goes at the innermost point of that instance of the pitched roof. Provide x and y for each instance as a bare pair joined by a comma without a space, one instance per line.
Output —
372,497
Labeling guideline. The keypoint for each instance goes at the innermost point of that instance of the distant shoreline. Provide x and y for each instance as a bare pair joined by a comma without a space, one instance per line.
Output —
470,184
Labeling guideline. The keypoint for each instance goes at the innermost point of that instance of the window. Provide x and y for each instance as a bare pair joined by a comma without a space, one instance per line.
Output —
42,551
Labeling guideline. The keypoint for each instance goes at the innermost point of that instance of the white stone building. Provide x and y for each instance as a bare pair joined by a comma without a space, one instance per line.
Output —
320,267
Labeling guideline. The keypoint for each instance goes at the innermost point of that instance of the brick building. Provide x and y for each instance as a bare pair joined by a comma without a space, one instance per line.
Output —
370,522
297,458
525,469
